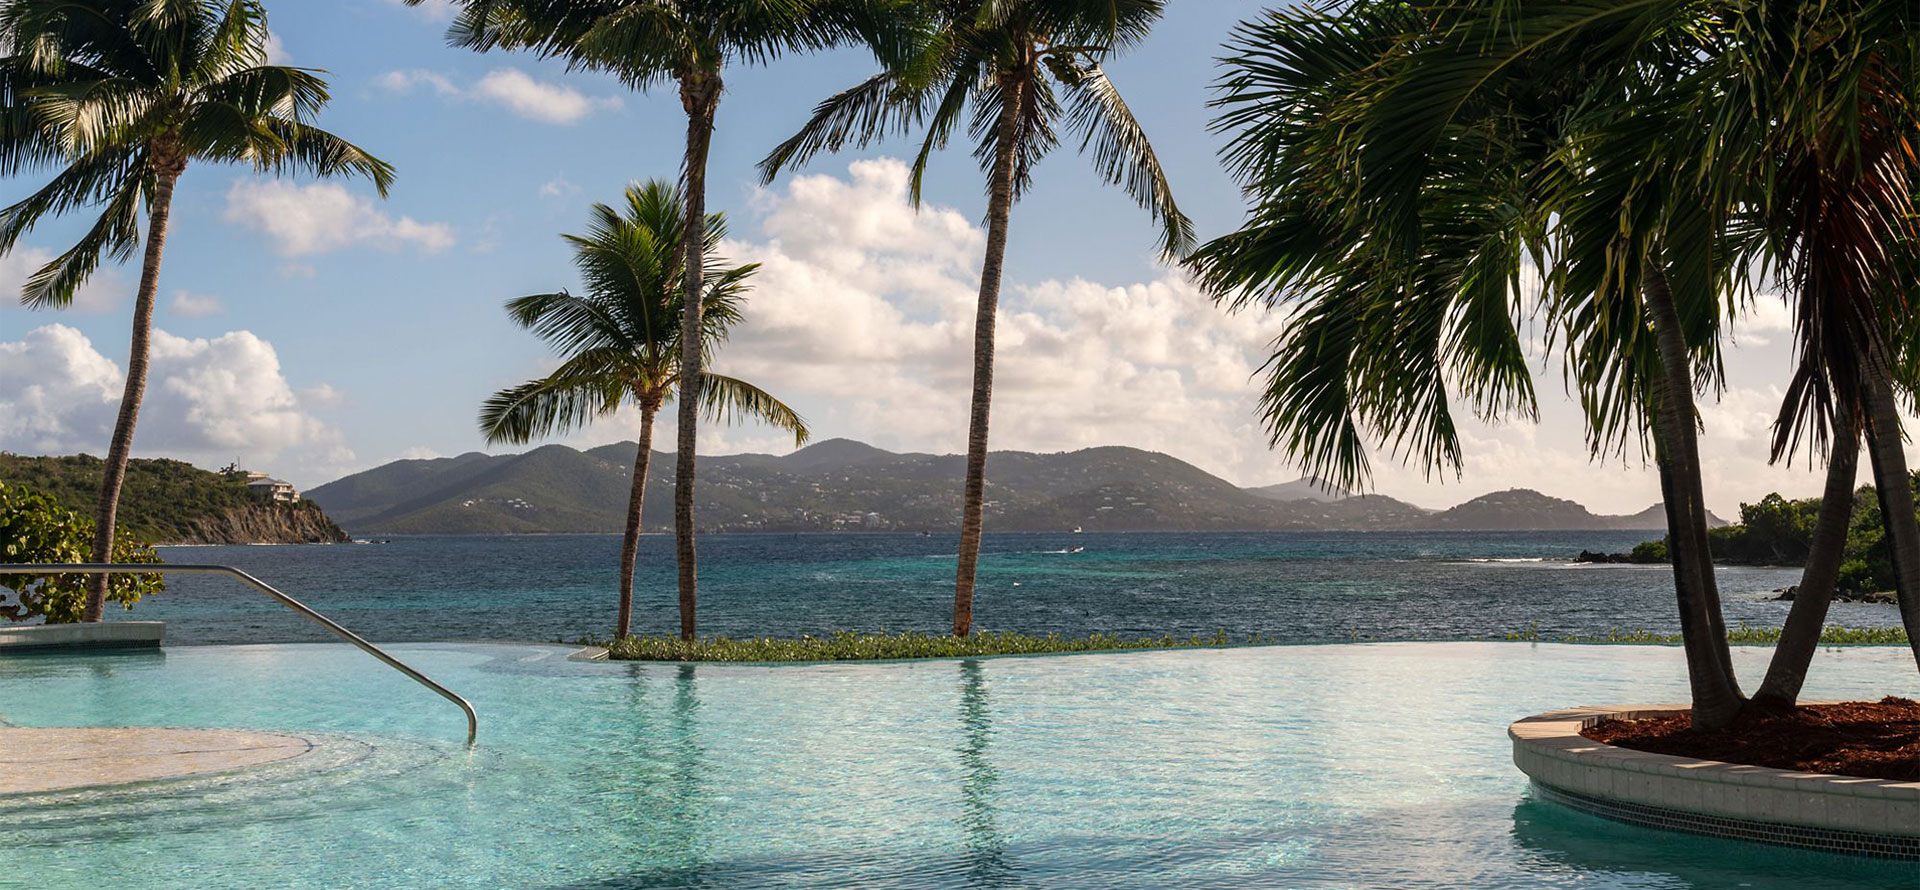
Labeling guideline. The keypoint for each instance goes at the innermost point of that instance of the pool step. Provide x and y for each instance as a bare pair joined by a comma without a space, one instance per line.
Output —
341,772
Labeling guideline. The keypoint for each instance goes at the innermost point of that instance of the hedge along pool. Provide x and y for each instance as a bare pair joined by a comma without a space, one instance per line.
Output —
1299,766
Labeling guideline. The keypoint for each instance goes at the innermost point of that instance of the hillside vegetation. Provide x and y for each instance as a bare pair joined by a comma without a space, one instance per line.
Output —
845,485
174,502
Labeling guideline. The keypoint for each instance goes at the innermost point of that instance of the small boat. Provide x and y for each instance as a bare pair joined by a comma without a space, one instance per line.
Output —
1076,529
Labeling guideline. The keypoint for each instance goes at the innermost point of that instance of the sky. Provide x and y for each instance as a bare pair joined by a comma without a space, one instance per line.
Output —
310,329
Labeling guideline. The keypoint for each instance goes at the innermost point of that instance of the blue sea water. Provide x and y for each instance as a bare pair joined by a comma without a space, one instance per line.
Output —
1317,586
1380,765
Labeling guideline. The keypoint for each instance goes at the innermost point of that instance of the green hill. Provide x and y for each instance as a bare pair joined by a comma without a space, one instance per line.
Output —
173,502
839,484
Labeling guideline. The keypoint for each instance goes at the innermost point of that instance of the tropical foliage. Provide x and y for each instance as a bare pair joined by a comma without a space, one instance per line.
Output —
35,528
1029,70
619,344
118,97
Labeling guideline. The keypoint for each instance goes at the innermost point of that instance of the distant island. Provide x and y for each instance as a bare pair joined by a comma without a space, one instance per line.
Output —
843,485
174,502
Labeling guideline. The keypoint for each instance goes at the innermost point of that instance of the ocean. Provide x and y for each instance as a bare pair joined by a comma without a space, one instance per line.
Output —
1284,586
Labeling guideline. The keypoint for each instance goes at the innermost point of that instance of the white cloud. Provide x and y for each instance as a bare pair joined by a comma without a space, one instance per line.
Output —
558,187
531,99
405,80
862,314
510,88
192,305
105,292
208,401
277,51
325,216
435,10
862,317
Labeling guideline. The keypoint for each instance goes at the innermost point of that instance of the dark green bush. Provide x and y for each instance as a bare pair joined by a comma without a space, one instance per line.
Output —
35,528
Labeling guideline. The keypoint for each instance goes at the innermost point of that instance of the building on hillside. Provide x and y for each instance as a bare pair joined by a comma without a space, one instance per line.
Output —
267,488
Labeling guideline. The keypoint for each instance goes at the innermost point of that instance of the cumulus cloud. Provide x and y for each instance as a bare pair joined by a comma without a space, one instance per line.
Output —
208,401
106,291
510,88
192,305
558,187
862,316
309,219
277,51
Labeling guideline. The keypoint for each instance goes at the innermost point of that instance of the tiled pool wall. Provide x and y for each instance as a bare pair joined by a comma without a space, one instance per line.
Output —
1840,814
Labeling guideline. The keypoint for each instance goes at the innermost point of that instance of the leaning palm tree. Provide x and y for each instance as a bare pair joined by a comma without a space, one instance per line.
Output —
620,345
1407,298
120,96
689,44
1028,68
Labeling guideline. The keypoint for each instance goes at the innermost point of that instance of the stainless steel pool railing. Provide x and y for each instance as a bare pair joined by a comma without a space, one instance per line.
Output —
473,719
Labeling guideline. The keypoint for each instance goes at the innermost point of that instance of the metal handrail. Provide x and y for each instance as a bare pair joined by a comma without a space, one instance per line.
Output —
94,568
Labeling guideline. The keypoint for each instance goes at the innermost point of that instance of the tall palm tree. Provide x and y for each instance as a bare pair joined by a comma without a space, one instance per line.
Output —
620,344
689,44
1408,299
120,96
1705,139
1028,68
1803,143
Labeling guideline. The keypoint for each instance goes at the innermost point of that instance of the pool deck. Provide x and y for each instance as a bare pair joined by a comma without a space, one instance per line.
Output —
36,760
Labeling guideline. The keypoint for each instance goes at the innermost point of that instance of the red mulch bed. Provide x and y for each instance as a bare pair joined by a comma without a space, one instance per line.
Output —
1875,740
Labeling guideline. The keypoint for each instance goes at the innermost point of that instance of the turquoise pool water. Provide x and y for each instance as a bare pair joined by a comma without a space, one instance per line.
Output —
1301,766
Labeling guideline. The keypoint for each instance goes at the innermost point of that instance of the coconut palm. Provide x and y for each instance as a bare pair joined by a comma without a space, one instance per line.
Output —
119,97
1028,69
689,44
1804,142
619,344
1402,306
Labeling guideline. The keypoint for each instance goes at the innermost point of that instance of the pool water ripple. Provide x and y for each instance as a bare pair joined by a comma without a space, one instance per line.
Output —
1379,765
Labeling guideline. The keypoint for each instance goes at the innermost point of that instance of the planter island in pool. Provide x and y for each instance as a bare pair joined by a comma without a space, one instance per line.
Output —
1840,814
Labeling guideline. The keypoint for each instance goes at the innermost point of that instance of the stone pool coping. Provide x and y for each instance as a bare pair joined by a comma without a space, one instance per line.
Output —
35,760
1847,814
81,635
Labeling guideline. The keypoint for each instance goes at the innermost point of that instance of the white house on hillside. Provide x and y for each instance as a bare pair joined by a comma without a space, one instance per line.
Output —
269,489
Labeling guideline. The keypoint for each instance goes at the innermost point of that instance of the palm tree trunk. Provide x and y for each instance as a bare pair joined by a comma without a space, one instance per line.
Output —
630,545
1716,692
1800,636
1886,446
999,208
108,510
700,96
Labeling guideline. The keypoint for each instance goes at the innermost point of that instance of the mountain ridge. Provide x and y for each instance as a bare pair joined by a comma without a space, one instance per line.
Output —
841,484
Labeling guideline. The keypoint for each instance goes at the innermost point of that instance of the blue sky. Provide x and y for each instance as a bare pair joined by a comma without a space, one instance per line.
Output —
313,330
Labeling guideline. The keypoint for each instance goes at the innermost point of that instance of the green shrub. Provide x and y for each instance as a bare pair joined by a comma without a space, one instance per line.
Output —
1650,551
848,646
34,528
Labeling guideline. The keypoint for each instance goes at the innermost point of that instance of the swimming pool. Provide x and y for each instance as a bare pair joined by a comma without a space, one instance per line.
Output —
1295,766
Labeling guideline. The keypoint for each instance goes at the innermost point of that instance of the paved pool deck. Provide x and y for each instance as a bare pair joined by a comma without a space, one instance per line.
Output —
36,760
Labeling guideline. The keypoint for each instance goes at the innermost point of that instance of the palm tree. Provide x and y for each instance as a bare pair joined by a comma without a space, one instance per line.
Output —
120,96
1804,144
1659,221
1029,68
620,344
1407,298
688,43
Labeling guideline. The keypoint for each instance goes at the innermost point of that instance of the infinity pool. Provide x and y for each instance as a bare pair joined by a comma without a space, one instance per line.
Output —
1300,766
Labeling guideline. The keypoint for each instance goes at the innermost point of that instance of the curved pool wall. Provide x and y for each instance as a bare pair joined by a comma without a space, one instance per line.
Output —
1792,808
1316,766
